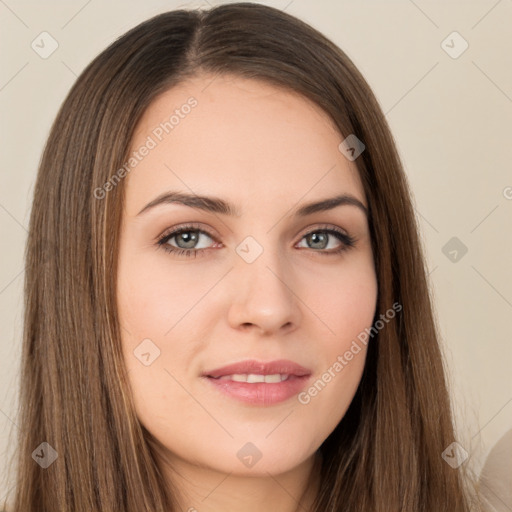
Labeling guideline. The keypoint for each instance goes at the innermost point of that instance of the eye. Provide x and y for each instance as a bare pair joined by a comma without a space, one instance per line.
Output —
183,240
320,239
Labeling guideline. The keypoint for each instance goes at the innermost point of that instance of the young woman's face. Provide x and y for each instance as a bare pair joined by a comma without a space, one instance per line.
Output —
269,282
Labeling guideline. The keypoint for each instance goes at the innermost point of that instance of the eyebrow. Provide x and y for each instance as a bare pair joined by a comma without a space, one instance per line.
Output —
217,205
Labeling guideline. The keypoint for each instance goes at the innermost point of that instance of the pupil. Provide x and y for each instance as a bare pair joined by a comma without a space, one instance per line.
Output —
318,238
190,239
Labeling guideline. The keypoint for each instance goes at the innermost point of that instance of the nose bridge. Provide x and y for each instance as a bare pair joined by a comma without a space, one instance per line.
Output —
264,286
260,268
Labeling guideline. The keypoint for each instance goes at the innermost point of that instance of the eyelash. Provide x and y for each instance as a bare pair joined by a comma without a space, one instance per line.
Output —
347,240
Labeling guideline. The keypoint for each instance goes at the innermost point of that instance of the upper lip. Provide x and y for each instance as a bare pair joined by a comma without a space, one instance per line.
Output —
281,366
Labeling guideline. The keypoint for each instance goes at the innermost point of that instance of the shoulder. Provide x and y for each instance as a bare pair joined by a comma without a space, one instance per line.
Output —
496,479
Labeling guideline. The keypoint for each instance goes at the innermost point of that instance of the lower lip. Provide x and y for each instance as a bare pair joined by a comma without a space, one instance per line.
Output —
261,393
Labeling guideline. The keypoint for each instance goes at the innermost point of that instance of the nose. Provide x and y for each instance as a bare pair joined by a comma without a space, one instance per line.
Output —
264,299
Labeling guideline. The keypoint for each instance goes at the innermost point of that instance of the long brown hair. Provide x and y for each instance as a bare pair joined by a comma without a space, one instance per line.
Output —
385,454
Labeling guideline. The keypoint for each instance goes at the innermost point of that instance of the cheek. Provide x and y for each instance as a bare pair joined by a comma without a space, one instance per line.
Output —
346,304
155,293
153,301
324,403
161,314
344,300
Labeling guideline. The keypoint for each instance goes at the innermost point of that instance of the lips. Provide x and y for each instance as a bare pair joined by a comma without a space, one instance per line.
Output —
259,383
251,367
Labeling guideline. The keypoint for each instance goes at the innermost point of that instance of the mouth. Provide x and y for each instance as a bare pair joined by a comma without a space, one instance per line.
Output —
259,383
254,378
281,367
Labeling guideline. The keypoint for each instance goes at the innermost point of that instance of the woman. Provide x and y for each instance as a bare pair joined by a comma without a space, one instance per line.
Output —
290,361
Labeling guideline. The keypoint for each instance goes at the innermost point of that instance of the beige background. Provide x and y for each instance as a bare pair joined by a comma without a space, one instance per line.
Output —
451,118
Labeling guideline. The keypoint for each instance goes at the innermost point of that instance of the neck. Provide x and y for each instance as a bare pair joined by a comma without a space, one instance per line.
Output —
203,489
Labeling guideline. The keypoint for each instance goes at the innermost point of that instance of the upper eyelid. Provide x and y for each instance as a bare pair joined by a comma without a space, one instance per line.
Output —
170,232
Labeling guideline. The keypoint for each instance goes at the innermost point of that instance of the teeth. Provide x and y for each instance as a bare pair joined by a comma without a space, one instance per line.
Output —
253,378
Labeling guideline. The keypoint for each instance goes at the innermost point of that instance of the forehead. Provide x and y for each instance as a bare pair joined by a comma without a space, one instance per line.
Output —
240,139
